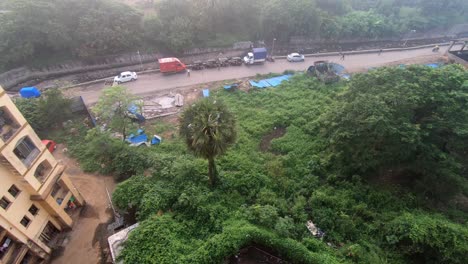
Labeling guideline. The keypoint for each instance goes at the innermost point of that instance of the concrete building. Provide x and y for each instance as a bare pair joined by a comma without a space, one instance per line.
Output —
35,193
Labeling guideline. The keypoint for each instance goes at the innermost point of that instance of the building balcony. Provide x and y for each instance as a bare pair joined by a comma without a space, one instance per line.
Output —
23,150
11,120
48,181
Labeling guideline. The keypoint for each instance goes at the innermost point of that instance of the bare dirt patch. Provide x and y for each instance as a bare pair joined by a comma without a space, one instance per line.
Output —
277,132
416,60
78,246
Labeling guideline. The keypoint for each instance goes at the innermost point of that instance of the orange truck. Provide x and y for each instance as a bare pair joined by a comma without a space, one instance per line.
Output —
171,65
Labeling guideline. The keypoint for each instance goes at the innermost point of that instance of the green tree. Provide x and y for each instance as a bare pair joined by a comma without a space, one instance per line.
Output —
112,108
408,125
47,112
209,128
283,19
54,108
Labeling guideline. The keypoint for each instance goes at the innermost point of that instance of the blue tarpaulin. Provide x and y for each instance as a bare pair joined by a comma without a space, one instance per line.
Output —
137,139
231,86
206,93
133,109
272,82
156,140
433,65
30,92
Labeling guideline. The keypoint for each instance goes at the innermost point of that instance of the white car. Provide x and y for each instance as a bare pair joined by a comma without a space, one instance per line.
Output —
126,77
293,57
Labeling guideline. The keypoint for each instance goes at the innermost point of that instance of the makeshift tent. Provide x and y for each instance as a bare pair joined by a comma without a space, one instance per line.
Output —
30,92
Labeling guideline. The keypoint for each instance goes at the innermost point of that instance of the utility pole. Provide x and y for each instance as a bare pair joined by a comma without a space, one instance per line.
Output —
141,63
273,48
408,36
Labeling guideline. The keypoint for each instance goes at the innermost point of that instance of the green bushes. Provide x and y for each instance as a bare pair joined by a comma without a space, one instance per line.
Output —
47,112
428,238
166,243
267,196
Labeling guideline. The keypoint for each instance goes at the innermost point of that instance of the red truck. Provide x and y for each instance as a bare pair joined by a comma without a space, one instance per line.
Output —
168,65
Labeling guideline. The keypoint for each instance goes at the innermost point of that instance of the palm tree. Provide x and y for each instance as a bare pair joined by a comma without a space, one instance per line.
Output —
209,129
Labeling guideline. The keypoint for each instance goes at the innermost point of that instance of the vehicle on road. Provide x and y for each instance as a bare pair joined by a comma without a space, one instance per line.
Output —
257,56
211,64
197,65
235,61
171,65
223,62
295,57
125,77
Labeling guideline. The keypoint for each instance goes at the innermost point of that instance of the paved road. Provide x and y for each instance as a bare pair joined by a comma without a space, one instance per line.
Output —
153,83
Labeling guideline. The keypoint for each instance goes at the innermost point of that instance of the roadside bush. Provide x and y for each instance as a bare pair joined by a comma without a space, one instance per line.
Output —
46,112
428,238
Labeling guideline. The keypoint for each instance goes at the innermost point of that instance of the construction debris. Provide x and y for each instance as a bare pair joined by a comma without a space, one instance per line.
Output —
316,232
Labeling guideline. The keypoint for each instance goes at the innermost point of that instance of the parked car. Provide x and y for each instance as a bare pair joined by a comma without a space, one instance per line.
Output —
126,77
235,61
50,145
197,65
223,62
294,57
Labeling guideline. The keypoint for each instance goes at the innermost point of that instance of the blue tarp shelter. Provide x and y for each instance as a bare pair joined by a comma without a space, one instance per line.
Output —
206,93
137,139
433,65
272,82
156,140
231,86
30,92
133,109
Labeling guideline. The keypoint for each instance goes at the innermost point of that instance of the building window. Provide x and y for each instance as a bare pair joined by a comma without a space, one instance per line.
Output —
8,125
25,221
4,203
5,245
14,191
33,210
55,189
42,171
26,151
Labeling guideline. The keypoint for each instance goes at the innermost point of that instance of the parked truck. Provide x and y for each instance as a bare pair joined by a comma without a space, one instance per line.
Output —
258,55
171,65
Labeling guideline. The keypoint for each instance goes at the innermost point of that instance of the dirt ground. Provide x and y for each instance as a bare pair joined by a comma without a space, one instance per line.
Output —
81,244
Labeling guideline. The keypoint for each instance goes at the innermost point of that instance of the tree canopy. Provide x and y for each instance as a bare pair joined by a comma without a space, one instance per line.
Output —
53,30
209,129
112,109
47,112
405,124
377,163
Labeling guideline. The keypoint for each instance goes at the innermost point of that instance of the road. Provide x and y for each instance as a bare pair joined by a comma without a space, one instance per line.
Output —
153,83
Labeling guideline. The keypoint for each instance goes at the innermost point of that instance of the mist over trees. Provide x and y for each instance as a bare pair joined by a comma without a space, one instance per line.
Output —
48,30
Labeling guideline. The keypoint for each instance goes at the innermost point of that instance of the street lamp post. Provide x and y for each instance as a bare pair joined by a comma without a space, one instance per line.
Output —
141,63
273,47
408,36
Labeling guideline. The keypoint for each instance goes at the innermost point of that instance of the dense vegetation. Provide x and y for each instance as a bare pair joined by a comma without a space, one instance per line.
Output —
47,112
378,163
46,30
